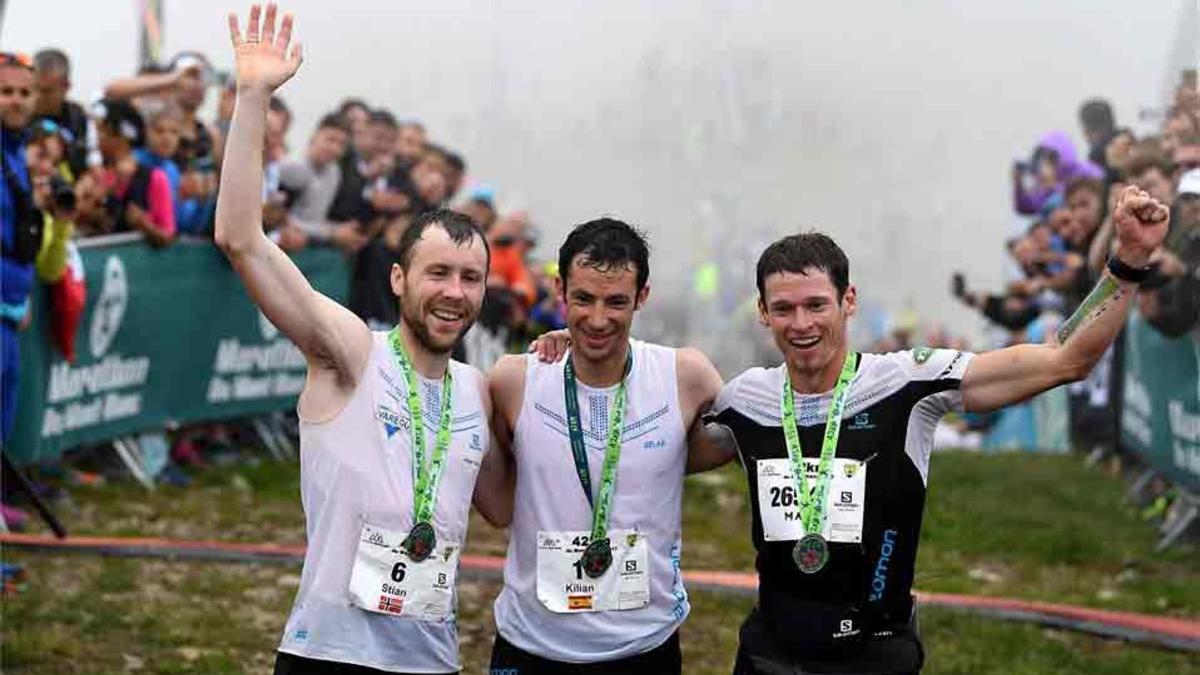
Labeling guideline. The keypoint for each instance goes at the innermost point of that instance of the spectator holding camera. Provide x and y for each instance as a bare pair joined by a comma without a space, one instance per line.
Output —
54,197
53,77
1038,185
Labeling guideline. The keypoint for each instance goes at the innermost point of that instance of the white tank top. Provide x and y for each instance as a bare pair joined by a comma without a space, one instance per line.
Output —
356,467
649,490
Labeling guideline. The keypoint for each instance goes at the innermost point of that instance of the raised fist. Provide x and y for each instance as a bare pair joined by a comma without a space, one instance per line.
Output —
1141,222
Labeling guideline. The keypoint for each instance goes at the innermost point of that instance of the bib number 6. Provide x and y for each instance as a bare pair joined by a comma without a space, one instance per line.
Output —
398,572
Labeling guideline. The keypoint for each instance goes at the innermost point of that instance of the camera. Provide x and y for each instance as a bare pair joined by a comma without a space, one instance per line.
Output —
62,194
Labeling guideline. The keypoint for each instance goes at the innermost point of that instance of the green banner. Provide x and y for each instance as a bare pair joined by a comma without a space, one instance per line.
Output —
168,336
1160,408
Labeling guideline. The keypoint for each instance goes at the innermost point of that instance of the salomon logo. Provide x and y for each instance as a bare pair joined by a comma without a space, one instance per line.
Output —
879,583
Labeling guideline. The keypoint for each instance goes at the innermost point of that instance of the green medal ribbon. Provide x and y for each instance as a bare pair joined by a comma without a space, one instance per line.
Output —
426,474
813,508
598,556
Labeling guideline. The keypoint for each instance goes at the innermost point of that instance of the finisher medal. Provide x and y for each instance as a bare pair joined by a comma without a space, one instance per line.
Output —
427,471
810,553
420,542
596,558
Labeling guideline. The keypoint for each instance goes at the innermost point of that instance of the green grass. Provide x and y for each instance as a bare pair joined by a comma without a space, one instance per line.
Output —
1039,527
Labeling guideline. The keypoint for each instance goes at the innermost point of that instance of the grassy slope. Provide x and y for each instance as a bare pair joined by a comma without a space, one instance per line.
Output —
1036,527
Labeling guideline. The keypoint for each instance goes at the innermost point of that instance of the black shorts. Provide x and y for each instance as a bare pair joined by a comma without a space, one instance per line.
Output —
759,654
290,664
508,659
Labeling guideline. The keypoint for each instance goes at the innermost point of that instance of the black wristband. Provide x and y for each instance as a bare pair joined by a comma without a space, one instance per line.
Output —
1127,273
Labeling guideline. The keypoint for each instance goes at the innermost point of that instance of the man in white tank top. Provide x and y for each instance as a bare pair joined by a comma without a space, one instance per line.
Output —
393,434
600,442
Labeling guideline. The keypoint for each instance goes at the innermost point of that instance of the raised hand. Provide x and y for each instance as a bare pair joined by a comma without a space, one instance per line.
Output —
1141,223
263,61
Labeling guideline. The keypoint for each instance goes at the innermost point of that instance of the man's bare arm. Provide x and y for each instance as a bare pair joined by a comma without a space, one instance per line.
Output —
142,85
329,335
1006,376
709,446
494,489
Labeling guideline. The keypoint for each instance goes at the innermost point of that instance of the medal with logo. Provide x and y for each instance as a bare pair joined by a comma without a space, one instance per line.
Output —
598,556
811,552
427,473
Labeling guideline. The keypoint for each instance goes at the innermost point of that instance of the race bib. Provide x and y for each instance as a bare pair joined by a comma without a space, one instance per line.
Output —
780,509
387,581
563,586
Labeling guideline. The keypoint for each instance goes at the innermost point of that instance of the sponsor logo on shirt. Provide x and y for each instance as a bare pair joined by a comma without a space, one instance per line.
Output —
654,444
846,629
879,582
391,420
861,422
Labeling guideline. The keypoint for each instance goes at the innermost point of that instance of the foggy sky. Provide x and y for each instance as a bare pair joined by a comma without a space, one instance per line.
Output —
715,125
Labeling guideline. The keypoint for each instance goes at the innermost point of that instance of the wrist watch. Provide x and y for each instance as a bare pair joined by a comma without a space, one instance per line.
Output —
1128,273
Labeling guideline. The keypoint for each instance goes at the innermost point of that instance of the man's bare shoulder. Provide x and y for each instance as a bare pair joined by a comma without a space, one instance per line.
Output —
507,376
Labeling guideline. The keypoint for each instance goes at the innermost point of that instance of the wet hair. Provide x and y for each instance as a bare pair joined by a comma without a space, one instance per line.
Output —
52,61
460,228
1096,115
381,116
334,121
799,253
606,244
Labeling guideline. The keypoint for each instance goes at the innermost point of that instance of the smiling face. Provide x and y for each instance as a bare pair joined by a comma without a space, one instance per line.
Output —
441,288
807,319
601,301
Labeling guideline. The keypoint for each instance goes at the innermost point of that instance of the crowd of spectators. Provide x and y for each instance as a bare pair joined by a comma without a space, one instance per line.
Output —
1063,204
141,158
